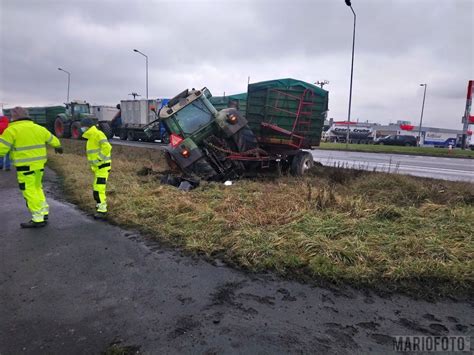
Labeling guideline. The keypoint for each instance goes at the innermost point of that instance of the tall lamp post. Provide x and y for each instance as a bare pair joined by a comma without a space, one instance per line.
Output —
421,118
146,57
68,81
348,3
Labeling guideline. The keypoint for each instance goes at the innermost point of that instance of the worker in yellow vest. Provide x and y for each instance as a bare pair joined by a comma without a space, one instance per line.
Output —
27,143
98,150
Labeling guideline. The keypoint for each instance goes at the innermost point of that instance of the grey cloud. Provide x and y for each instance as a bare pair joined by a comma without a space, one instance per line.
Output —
400,43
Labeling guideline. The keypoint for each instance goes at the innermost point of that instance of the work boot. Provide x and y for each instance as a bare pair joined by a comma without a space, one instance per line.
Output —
100,215
32,224
45,217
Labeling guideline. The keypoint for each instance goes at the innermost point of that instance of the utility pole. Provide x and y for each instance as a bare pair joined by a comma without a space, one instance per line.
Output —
68,81
146,63
348,3
421,118
466,120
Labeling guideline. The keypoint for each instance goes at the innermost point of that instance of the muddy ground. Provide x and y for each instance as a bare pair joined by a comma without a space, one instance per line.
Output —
78,286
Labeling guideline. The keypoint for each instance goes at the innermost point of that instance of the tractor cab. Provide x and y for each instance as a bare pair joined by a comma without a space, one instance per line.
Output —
78,109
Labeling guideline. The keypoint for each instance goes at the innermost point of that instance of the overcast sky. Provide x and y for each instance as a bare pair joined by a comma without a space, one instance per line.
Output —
218,44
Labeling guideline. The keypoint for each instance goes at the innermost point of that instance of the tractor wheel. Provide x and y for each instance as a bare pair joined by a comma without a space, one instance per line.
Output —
245,140
62,129
105,127
301,163
76,132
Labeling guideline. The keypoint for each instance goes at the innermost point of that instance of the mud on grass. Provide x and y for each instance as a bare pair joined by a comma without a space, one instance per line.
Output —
390,232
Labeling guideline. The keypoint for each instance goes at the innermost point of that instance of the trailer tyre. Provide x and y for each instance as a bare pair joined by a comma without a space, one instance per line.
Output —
105,127
62,129
76,132
301,163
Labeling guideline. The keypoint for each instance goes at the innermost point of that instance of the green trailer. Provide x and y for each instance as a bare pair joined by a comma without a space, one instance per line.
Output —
287,112
44,116
238,101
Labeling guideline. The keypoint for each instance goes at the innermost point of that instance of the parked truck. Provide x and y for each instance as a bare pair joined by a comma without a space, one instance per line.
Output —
136,115
64,121
283,117
359,133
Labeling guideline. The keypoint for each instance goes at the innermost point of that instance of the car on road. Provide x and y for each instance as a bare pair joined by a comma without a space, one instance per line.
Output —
403,140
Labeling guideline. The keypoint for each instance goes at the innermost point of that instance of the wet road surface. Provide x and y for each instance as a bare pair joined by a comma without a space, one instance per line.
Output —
78,285
455,169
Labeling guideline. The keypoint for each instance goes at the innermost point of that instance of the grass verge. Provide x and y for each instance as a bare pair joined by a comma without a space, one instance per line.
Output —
373,148
384,231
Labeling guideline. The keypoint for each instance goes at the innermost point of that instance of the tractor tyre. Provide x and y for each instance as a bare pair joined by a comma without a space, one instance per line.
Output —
301,163
105,127
245,140
62,129
76,132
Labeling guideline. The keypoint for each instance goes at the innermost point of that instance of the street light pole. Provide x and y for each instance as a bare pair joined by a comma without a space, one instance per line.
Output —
68,81
348,3
421,118
146,57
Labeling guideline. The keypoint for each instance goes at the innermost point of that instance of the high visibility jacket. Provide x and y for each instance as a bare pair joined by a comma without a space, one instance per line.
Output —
27,142
98,148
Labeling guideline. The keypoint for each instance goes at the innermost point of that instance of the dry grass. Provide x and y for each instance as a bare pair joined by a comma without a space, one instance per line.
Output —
363,228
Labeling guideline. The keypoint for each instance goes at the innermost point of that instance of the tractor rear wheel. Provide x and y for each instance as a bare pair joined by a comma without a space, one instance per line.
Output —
62,129
76,130
301,163
105,127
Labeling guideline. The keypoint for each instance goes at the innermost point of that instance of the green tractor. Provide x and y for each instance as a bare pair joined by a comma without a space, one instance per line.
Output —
283,118
68,123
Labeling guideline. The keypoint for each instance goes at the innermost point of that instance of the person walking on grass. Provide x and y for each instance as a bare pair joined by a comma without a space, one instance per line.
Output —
26,141
98,151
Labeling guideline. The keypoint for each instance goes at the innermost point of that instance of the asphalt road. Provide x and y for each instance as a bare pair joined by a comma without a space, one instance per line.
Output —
78,285
454,169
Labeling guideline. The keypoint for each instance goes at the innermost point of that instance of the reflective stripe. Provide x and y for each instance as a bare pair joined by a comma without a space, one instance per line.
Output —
50,138
93,161
9,145
103,141
101,207
28,159
37,216
17,149
93,151
104,157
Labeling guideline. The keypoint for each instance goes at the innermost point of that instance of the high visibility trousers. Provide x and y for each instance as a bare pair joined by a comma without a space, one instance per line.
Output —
31,186
99,187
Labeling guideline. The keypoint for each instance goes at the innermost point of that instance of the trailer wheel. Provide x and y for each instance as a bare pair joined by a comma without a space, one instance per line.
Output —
76,130
105,127
301,163
62,129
